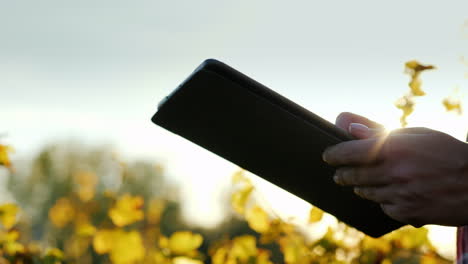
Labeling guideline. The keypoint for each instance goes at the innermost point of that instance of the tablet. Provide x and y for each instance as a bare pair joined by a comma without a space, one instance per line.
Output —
239,119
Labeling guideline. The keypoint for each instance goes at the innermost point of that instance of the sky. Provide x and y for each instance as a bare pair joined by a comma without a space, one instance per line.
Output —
95,70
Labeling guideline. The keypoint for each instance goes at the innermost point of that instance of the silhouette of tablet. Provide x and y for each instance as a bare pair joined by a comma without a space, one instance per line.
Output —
239,119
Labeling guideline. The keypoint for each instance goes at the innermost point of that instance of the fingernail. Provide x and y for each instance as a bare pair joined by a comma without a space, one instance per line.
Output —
337,179
357,128
337,176
325,156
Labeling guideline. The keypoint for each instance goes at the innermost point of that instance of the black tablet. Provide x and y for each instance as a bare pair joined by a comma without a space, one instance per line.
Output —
239,119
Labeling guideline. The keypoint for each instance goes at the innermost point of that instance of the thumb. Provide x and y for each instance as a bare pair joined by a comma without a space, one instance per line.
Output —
361,131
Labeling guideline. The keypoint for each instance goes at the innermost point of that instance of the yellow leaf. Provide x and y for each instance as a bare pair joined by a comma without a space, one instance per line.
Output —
85,229
415,85
415,67
410,238
239,177
123,247
294,249
127,210
239,199
83,226
412,64
8,214
244,247
13,248
258,219
103,241
9,236
406,104
382,245
127,248
9,242
241,196
276,229
185,260
163,242
220,255
315,215
452,105
62,212
263,257
184,242
4,157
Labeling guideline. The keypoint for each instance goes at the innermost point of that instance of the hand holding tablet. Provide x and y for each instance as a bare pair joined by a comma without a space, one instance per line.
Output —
239,119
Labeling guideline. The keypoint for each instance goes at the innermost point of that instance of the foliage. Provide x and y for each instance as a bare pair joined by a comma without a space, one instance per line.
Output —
341,244
87,221
453,102
406,103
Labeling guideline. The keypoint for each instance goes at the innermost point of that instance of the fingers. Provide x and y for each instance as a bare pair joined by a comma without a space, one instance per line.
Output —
376,194
362,176
361,131
384,195
354,152
345,119
400,214
376,145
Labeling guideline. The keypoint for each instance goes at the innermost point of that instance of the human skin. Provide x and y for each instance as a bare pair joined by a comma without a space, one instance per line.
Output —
419,176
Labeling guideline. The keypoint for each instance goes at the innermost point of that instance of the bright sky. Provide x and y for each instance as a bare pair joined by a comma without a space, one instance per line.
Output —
95,70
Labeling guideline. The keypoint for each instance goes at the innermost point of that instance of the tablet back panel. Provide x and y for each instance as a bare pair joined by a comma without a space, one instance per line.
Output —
269,136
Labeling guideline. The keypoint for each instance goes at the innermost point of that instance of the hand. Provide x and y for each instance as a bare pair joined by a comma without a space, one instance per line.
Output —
418,175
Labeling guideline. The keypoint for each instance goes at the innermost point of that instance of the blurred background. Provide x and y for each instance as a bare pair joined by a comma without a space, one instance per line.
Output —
80,80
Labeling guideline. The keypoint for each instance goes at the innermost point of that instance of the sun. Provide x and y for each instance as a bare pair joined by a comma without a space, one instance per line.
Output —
391,126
